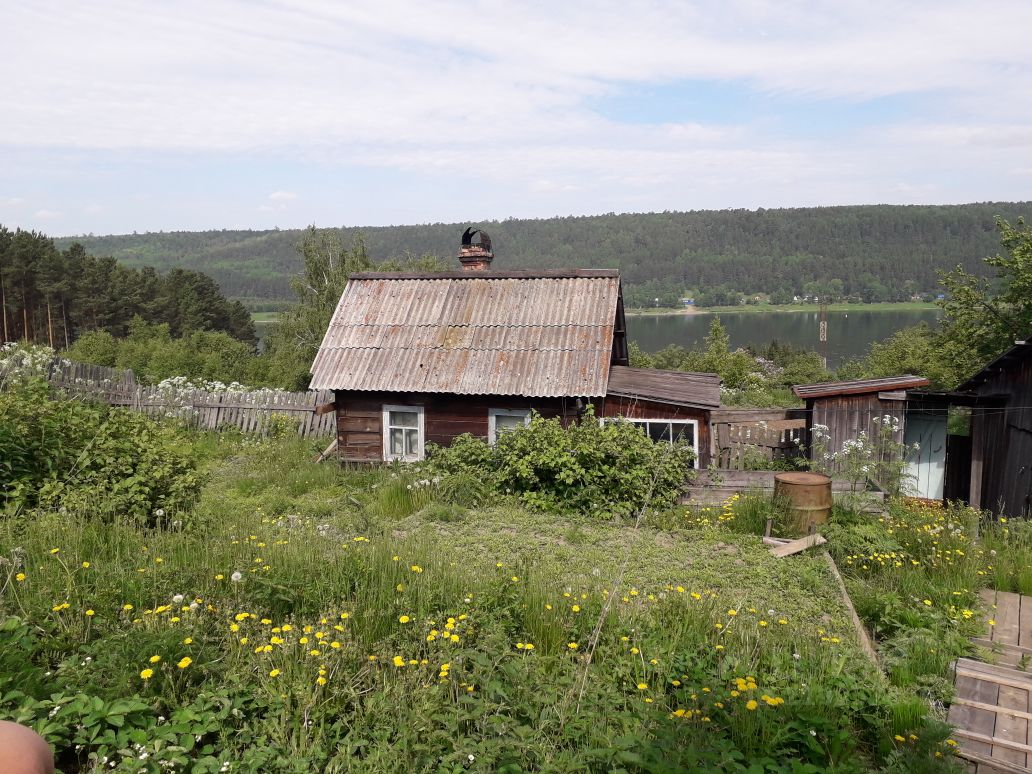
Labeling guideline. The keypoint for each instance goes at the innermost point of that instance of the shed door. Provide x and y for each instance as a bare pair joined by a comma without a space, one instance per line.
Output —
926,467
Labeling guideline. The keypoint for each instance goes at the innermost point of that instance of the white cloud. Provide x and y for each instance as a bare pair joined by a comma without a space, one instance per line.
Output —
46,214
282,196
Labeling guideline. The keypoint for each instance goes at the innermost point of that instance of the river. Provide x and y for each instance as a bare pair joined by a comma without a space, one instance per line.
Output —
849,333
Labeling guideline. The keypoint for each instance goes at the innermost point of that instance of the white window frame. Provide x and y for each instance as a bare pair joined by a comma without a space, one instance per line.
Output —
420,427
492,431
669,421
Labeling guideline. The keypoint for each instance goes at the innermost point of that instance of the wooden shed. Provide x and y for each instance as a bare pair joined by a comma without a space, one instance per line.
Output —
847,408
1000,396
420,357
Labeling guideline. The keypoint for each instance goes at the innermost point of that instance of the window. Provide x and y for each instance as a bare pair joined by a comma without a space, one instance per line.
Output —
403,433
501,420
671,430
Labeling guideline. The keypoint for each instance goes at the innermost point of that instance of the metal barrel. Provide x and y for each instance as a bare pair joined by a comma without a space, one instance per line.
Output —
808,496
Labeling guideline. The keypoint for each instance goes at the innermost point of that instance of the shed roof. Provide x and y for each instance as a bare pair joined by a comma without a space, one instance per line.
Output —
859,386
535,334
1011,357
682,388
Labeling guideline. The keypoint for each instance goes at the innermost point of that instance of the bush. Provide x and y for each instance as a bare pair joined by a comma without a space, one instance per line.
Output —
600,469
58,453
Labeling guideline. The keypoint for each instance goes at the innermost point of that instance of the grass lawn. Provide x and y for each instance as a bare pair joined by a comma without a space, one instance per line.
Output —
306,617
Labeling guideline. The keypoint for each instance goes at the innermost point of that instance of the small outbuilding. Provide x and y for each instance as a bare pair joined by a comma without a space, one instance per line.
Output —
1000,400
420,357
849,408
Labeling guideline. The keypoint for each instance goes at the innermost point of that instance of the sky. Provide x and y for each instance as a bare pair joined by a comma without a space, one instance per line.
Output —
119,115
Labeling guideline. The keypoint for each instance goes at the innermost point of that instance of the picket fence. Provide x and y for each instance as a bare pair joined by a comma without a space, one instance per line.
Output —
248,412
743,437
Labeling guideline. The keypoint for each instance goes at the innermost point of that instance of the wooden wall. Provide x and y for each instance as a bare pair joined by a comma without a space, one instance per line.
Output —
360,417
636,408
360,429
1001,440
846,416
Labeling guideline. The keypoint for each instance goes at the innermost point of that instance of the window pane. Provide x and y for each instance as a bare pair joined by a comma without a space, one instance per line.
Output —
403,419
685,433
397,442
659,431
411,442
506,422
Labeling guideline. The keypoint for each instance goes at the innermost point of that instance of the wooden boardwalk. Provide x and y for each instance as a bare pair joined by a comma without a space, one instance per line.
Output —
992,707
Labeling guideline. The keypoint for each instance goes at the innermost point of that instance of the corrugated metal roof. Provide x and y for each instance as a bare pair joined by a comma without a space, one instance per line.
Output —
542,334
682,388
859,386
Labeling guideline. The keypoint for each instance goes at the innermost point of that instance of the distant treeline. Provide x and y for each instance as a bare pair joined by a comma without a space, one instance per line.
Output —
52,296
872,253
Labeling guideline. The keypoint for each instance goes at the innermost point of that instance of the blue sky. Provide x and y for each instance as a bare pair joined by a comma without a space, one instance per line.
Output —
122,116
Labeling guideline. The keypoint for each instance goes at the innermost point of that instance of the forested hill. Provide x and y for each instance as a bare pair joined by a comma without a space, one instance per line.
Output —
878,252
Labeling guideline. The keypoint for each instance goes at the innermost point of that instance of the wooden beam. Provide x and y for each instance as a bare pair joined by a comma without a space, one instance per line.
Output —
861,632
327,451
991,764
992,708
986,677
995,741
796,546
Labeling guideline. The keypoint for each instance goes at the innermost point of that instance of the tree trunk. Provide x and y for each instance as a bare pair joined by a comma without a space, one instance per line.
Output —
25,319
3,305
50,325
64,325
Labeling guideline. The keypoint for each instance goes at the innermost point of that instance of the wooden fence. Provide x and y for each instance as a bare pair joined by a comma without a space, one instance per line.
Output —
248,412
740,437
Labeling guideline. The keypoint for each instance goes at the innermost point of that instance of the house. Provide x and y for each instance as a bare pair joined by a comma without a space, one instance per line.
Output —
420,357
996,467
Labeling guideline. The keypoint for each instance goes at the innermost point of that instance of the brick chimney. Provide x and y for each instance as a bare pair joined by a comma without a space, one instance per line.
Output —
475,256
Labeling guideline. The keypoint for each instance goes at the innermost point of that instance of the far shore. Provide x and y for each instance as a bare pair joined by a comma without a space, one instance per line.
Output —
899,306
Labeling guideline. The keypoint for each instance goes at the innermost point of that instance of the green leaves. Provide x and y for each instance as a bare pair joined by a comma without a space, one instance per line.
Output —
604,469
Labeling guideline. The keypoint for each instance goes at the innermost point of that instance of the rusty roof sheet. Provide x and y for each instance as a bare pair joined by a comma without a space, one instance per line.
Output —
683,388
859,386
472,333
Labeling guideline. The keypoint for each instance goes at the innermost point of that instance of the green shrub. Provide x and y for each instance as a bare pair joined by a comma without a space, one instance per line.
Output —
589,467
60,453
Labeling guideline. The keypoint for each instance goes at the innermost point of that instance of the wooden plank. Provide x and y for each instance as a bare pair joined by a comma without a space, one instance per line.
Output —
996,680
1011,727
1008,612
861,632
987,765
995,741
998,709
985,642
796,546
981,721
1025,623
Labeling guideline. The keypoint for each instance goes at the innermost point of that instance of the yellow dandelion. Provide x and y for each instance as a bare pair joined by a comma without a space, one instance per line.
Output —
751,704
399,661
146,674
274,673
404,619
20,577
155,659
184,662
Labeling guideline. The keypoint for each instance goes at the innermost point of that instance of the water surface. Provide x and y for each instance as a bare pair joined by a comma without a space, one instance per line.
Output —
849,333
